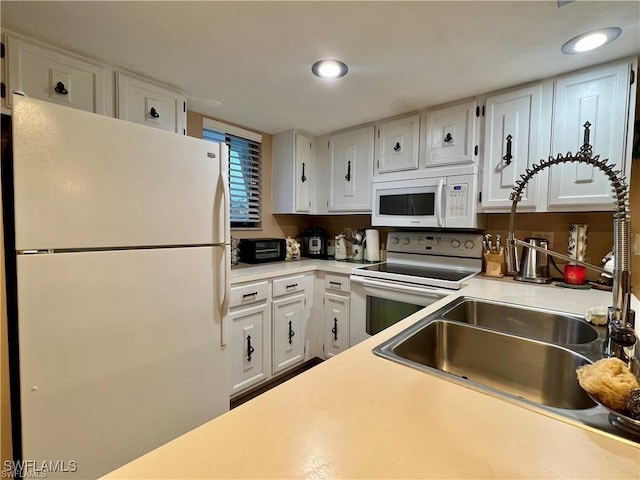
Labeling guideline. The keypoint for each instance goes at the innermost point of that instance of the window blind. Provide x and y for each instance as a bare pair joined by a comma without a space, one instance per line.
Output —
245,173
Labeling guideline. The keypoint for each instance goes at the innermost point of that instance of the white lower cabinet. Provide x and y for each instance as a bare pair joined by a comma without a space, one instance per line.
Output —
267,328
336,324
249,324
288,331
335,316
249,346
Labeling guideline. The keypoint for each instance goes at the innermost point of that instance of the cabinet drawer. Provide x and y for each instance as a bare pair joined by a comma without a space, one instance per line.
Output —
337,283
248,294
288,285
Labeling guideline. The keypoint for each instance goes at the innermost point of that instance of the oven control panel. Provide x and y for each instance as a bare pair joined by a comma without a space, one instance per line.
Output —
467,245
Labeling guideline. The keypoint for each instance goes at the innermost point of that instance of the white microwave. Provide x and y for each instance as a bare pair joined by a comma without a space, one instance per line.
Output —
446,200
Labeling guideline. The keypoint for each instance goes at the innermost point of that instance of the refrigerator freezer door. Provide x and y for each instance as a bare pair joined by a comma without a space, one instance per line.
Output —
119,352
88,181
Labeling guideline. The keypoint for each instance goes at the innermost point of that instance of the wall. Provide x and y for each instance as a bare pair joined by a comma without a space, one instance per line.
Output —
600,233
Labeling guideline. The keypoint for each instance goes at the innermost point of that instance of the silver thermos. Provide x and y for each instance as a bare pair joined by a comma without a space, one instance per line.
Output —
534,265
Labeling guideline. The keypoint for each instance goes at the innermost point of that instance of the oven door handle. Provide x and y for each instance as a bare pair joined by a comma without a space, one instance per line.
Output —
439,202
398,287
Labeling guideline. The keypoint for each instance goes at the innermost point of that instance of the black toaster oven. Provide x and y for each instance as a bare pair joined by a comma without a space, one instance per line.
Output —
260,250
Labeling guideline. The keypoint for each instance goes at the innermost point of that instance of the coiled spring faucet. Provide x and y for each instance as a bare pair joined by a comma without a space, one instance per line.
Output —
620,338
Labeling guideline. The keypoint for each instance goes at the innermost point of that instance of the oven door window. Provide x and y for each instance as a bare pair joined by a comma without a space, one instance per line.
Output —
383,312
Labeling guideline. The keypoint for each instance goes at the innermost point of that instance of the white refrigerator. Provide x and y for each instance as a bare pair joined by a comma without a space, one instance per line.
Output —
123,261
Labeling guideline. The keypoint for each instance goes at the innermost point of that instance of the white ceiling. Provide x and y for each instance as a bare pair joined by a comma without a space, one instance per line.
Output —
250,62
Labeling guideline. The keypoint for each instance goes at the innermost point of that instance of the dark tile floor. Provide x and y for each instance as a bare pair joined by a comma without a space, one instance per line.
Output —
272,383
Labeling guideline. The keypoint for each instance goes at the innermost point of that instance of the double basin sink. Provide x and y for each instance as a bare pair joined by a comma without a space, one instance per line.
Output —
524,353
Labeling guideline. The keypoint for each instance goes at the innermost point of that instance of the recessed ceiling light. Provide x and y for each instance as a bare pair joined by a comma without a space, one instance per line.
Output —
329,69
590,40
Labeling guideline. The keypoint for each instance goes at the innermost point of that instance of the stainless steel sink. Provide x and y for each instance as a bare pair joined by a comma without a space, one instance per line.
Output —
527,354
535,371
536,323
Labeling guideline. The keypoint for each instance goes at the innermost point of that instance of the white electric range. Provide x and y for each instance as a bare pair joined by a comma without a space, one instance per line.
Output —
421,268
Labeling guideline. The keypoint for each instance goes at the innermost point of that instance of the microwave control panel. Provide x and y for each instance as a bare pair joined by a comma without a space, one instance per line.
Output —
457,200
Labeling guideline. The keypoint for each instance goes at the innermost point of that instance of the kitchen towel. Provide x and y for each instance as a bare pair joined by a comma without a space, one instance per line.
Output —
372,240
578,241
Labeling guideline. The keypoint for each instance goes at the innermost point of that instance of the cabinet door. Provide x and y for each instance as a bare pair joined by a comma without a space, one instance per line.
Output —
293,179
600,97
450,135
249,346
351,155
52,76
149,105
397,144
512,144
336,324
304,175
288,334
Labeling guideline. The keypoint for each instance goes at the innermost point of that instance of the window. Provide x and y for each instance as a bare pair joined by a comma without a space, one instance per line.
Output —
245,171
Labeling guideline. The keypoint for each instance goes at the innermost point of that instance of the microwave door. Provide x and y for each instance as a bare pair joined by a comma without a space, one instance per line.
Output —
415,205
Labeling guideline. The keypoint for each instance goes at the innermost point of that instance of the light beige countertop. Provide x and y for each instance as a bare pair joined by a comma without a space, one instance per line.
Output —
361,416
249,273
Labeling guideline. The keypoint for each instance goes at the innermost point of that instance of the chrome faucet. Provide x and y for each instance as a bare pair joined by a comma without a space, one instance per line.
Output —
620,340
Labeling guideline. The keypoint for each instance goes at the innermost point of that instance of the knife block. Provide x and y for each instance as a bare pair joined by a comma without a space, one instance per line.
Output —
495,264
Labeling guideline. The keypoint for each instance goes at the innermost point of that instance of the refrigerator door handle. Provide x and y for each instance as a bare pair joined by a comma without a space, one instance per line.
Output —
224,181
223,216
226,296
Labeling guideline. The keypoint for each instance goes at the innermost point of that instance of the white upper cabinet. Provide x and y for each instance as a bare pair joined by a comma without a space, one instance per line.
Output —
147,104
55,75
397,144
50,75
512,142
351,159
293,172
450,135
600,98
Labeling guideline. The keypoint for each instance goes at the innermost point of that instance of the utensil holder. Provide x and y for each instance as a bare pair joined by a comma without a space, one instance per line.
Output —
495,264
